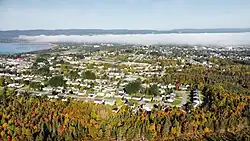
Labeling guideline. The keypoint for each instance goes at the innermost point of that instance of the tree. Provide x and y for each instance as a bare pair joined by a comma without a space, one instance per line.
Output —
2,81
166,127
153,90
35,85
64,69
133,87
57,81
8,80
107,65
73,75
88,75
41,60
44,71
26,82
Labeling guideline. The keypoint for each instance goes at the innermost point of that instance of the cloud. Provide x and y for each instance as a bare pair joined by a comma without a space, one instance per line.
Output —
149,39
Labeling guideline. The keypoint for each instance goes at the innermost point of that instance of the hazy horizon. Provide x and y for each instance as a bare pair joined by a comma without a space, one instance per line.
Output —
123,29
149,39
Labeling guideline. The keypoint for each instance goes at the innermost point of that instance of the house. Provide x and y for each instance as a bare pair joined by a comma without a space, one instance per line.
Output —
52,96
82,93
195,105
157,98
142,102
183,88
19,91
127,97
100,94
170,86
116,109
48,89
98,101
130,79
118,96
196,97
170,100
147,99
109,101
109,95
136,98
172,95
162,91
197,101
130,104
148,106
121,93
36,94
15,85
96,46
64,99
91,95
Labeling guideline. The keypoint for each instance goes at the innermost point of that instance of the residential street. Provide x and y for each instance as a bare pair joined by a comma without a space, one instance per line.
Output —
184,98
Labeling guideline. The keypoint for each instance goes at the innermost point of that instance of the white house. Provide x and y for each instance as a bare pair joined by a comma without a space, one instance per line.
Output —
148,106
100,94
110,101
98,101
147,99
136,98
47,89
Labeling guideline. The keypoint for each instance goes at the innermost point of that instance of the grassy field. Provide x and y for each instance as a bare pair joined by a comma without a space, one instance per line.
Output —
179,96
99,97
133,101
177,101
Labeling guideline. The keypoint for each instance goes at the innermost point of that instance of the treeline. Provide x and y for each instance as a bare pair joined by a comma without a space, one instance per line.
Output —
234,78
221,116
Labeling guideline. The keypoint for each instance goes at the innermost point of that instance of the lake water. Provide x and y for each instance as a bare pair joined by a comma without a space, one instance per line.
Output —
11,48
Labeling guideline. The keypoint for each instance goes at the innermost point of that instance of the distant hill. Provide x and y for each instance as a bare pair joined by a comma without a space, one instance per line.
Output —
215,30
16,33
10,34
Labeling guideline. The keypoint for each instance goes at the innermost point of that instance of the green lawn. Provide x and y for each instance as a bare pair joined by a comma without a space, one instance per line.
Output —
180,93
99,96
133,101
25,88
108,97
148,96
177,101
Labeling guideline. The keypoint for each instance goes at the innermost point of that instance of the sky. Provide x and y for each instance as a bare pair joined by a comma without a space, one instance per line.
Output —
123,14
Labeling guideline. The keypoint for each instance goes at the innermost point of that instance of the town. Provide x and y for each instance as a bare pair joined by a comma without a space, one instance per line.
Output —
113,74
124,70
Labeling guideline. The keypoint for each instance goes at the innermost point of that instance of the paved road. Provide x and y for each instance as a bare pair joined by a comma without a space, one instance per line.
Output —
184,98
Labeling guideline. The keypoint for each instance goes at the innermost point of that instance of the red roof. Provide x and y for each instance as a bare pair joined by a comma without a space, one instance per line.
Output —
20,59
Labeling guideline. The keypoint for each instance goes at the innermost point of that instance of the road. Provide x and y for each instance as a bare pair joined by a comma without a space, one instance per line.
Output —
184,98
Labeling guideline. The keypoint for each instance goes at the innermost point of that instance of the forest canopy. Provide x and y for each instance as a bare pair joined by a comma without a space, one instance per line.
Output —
37,118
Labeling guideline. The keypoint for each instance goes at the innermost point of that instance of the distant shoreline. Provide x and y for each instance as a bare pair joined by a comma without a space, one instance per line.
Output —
14,48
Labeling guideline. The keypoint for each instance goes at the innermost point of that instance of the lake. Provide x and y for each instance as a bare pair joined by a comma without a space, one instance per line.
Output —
11,48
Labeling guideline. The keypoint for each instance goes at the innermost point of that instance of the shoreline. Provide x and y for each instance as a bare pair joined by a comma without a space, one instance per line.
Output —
50,47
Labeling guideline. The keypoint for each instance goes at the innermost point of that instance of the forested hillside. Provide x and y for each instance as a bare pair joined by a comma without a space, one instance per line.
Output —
224,116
